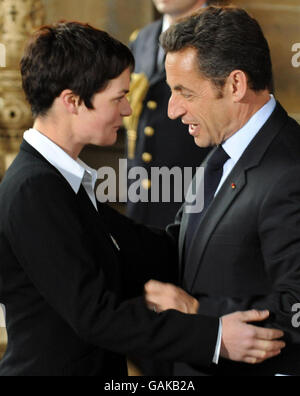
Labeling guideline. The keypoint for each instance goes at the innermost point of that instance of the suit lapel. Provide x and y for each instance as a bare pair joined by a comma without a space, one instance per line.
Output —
209,222
185,220
95,218
227,195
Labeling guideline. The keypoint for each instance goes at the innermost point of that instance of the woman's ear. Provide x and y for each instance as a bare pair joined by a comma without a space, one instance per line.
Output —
70,101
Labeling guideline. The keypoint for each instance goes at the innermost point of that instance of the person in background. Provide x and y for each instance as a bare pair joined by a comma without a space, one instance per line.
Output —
157,141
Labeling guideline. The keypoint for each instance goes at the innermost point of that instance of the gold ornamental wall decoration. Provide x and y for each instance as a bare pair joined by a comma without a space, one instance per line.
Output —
18,19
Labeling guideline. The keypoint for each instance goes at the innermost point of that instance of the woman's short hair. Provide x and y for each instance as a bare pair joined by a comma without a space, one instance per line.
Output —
70,55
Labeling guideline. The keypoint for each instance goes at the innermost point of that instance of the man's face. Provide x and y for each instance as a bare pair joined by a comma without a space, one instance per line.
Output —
100,126
196,100
176,7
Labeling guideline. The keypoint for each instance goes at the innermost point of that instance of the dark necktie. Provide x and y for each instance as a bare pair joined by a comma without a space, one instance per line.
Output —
212,177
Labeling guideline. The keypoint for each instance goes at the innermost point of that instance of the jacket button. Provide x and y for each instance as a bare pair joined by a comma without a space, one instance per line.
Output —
147,157
146,184
149,131
152,105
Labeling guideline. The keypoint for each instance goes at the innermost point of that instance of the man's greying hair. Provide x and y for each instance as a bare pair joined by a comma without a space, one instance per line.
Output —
70,55
226,39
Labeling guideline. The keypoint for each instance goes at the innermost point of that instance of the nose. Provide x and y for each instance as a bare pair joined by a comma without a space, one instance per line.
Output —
176,108
126,109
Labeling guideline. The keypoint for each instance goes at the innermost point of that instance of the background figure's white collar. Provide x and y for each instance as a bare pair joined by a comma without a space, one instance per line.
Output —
166,24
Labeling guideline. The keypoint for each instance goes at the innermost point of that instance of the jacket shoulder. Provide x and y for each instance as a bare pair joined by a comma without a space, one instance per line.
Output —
27,166
28,172
141,34
288,141
134,35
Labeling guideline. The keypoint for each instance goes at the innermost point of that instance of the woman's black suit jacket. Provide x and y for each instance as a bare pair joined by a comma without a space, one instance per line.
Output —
71,297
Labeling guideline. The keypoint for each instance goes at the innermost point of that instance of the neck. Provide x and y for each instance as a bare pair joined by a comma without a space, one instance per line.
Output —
173,18
60,135
251,105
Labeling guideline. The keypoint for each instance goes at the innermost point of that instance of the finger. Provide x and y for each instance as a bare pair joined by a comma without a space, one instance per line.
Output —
157,301
254,316
268,346
258,356
155,308
152,300
154,286
268,334
251,360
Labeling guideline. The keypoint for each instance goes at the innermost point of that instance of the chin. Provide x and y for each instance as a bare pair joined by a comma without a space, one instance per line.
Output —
108,141
202,143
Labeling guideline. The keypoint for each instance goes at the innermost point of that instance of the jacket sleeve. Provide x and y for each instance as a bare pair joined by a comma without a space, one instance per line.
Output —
147,253
51,245
173,230
279,233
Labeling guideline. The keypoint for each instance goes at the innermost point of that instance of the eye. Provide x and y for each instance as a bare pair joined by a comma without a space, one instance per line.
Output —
119,100
186,96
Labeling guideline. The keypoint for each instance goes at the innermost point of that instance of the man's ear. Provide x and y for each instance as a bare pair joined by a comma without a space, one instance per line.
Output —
238,85
70,101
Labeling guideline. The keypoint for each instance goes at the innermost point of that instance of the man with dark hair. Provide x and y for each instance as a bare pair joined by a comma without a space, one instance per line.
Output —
157,140
70,283
243,250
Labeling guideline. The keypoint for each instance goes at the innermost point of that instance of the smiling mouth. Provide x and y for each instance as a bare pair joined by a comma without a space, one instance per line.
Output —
194,129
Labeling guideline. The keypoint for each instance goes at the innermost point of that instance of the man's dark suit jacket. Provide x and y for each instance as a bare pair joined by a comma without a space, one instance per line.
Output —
170,145
246,253
64,283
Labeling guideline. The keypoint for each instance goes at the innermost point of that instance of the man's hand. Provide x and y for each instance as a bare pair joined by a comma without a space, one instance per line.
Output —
242,342
164,296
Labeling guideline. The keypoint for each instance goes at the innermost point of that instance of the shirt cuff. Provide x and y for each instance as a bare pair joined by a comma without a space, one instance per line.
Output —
219,343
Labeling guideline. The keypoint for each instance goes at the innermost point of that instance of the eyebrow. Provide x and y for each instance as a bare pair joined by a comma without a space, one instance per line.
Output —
121,94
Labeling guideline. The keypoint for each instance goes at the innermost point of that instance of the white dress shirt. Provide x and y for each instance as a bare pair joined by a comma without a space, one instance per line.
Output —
75,172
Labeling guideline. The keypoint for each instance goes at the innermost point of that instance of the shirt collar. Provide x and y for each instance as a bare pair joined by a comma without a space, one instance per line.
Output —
237,144
166,24
73,171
